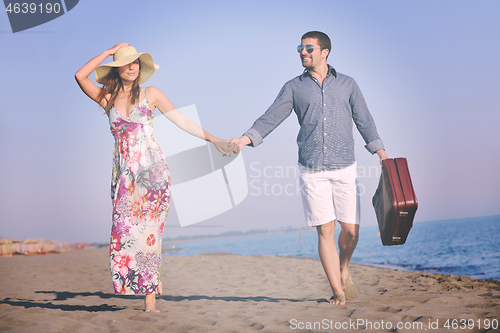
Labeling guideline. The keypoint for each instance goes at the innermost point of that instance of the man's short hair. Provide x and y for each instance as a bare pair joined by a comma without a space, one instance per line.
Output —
323,39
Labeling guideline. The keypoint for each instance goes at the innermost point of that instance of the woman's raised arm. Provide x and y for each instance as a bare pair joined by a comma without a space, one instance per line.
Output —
82,76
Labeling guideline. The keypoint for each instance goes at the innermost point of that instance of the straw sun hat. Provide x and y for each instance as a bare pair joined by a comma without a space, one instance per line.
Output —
125,56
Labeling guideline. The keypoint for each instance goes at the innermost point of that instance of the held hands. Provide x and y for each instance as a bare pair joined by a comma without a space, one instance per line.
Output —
234,146
239,143
225,147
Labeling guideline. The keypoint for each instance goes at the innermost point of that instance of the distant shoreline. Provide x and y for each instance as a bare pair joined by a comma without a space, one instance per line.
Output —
229,236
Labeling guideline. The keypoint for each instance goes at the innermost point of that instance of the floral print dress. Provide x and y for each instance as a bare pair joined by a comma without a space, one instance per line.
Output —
140,191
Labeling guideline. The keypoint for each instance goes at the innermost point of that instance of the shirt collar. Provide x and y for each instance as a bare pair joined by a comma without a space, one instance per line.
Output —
331,70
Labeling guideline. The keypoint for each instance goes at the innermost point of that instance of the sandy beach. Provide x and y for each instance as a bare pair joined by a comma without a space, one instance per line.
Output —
220,292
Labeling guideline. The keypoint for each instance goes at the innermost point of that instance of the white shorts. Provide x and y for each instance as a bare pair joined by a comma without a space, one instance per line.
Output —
330,195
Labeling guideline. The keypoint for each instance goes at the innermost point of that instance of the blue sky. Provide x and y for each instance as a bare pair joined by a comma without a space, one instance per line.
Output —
428,70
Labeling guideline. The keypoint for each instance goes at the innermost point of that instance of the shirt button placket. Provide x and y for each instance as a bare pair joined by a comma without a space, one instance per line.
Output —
324,129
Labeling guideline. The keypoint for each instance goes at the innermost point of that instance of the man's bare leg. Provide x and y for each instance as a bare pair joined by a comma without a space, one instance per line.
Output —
330,260
348,239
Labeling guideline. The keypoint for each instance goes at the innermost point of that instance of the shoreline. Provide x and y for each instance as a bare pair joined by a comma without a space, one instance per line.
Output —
243,235
171,246
35,249
403,269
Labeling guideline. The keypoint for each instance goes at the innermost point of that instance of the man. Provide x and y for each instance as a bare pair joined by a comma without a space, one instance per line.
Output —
326,104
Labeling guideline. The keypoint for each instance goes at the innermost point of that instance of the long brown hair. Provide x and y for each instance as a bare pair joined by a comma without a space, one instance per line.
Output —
112,83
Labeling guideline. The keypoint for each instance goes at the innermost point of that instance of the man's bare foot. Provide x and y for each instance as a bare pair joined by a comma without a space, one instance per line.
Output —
345,278
347,285
337,300
150,303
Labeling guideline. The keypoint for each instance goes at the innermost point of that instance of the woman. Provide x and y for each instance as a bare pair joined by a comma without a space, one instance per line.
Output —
140,187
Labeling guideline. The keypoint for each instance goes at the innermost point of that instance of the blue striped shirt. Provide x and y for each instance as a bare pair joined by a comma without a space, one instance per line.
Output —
325,114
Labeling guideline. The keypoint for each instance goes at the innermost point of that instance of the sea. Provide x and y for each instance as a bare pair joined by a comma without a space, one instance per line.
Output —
463,247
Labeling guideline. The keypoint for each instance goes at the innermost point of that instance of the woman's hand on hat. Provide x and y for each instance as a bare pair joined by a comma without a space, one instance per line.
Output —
117,47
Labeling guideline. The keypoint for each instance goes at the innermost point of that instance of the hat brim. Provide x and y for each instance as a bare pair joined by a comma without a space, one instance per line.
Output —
148,67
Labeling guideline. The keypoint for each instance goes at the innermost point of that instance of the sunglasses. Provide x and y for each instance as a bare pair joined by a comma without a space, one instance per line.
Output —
309,48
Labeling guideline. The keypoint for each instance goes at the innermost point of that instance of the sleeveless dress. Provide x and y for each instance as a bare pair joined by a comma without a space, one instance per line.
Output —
140,190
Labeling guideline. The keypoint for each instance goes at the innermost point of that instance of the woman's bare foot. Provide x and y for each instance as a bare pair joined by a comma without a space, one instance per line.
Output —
159,290
150,303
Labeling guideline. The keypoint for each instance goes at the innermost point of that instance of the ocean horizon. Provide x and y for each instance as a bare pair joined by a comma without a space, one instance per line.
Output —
463,247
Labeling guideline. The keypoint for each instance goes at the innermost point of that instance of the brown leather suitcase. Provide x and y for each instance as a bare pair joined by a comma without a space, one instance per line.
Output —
395,202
